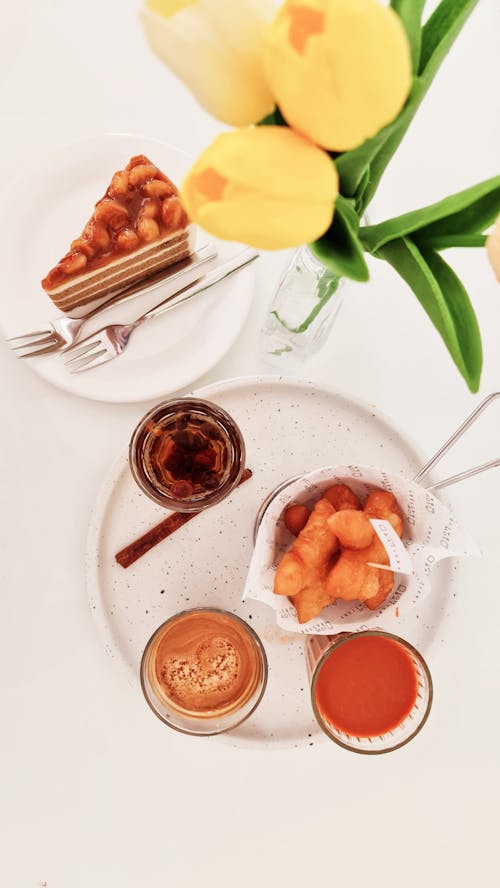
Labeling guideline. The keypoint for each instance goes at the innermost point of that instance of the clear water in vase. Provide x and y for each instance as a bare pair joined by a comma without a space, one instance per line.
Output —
302,311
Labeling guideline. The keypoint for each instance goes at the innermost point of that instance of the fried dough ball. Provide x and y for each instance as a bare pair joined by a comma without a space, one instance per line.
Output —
352,579
378,555
334,549
385,587
302,571
342,497
296,518
352,528
310,601
383,504
311,551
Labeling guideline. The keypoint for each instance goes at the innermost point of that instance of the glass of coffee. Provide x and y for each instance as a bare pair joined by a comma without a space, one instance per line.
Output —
371,691
204,671
187,454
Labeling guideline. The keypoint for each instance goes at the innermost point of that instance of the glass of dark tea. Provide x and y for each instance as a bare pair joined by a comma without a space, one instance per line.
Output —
187,454
371,691
204,671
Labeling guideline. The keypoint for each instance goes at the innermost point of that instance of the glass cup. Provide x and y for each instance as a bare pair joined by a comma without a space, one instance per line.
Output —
204,671
319,648
187,454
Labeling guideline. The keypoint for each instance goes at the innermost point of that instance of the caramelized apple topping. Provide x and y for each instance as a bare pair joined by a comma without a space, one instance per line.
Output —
140,206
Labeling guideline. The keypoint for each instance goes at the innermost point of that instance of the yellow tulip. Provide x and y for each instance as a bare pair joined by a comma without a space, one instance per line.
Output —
216,48
339,70
265,186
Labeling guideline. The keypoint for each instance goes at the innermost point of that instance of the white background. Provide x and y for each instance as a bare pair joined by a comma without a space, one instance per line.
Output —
93,790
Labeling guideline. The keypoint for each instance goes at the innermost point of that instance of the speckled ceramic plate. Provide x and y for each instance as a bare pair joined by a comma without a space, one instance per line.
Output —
289,427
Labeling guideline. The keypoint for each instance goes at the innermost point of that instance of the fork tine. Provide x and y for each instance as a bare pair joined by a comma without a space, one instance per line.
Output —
43,340
81,349
88,362
30,336
34,352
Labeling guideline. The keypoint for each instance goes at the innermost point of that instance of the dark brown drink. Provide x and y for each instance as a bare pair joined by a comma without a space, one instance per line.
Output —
204,671
187,454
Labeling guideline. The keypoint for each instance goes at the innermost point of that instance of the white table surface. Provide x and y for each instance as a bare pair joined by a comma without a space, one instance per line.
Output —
94,790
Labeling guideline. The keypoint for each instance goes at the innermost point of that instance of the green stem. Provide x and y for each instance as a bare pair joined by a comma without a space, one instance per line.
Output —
445,242
438,35
329,291
410,12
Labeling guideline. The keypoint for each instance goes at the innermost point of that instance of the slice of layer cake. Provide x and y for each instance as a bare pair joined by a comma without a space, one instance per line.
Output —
137,228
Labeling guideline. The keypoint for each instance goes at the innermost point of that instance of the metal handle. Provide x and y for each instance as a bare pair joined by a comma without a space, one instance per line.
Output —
213,277
169,275
447,482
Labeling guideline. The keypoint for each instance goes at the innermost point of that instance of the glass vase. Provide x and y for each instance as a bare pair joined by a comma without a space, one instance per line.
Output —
301,312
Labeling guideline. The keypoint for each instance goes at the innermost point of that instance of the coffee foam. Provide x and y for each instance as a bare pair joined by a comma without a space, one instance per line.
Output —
206,663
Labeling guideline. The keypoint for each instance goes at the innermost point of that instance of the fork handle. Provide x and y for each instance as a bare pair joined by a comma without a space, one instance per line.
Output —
213,277
204,254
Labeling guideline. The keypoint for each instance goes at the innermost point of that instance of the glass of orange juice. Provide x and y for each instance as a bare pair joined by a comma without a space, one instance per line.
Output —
371,691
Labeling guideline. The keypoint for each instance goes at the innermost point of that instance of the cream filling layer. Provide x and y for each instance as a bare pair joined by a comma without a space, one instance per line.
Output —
107,283
118,265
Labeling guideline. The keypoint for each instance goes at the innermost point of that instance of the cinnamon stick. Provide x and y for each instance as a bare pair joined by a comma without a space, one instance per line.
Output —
131,553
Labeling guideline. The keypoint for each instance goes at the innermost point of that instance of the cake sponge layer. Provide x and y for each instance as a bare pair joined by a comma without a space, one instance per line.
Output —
121,274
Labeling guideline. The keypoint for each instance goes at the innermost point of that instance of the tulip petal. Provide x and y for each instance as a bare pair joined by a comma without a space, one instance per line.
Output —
216,49
266,186
352,76
264,222
276,161
166,8
304,22
493,249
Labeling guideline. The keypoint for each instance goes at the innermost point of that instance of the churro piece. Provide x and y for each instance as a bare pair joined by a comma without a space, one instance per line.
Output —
385,587
378,555
353,579
296,518
383,504
310,601
342,497
302,571
352,528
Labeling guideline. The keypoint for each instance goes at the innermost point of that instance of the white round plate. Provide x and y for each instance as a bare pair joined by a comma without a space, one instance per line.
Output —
46,210
289,427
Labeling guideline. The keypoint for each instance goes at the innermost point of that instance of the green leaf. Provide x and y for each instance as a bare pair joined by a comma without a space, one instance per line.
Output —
410,13
394,135
445,300
473,218
358,199
440,32
468,211
375,153
438,35
275,118
446,241
462,314
352,166
339,248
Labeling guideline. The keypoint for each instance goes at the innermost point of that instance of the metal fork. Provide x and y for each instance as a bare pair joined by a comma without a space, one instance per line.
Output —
65,331
112,340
